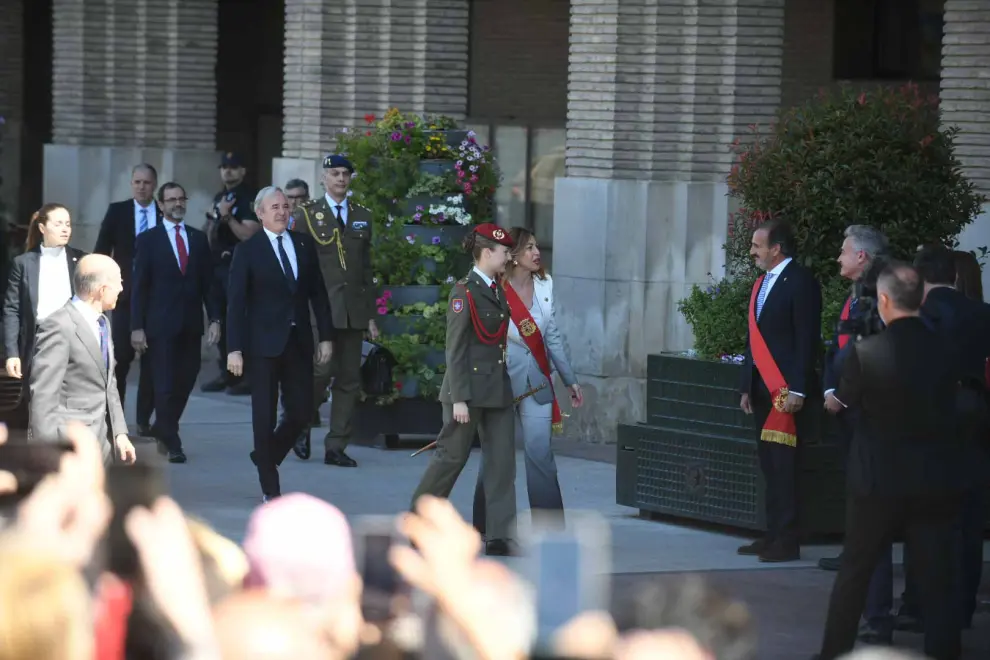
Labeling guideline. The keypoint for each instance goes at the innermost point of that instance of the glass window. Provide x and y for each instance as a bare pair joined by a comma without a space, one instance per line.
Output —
888,39
545,166
510,150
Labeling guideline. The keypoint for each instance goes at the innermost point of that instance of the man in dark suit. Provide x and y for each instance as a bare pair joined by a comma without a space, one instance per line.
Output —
173,280
274,279
123,223
778,374
963,325
904,465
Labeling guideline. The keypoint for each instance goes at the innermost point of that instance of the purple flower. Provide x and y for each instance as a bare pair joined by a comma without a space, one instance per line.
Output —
419,208
410,124
410,239
408,139
396,136
435,240
418,217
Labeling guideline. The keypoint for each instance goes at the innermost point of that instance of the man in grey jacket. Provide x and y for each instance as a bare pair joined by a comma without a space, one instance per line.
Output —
72,376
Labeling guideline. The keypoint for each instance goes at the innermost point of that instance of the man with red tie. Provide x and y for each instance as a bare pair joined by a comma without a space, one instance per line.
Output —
173,283
862,245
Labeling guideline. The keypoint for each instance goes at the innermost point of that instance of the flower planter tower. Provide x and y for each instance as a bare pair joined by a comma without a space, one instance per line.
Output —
427,182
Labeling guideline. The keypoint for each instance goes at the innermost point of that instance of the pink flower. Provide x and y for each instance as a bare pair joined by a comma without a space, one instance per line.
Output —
383,310
387,295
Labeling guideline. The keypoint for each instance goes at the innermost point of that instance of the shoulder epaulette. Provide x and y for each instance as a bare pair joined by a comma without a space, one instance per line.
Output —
312,201
360,206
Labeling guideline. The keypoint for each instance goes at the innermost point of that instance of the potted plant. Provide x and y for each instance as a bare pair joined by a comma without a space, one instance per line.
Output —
427,181
879,158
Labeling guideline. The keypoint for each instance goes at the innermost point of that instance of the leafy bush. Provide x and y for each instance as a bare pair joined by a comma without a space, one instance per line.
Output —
879,158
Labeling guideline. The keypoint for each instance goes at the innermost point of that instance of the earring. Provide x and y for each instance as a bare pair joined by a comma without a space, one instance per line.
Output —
515,263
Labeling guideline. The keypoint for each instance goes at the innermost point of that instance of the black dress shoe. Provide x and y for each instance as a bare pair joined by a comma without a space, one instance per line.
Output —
339,458
752,549
830,563
501,548
779,552
876,635
240,389
302,448
215,385
177,456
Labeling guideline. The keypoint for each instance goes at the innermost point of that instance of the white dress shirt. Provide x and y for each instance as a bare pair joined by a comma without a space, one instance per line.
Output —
484,278
333,207
54,284
92,318
152,216
290,250
170,230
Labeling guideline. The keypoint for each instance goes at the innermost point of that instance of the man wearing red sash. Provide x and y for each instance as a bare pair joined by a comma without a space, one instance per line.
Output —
862,245
782,345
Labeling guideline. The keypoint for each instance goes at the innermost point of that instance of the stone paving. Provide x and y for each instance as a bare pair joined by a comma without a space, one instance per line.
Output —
220,485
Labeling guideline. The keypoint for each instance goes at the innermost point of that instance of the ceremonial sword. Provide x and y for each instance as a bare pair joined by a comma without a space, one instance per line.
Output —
515,402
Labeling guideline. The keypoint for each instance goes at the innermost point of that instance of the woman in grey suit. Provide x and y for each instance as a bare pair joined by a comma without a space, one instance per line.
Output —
535,350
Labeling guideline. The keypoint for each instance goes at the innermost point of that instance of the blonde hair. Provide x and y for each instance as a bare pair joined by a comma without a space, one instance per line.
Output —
40,217
520,236
45,606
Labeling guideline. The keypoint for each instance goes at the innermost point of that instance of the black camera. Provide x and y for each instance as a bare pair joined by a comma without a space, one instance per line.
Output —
867,321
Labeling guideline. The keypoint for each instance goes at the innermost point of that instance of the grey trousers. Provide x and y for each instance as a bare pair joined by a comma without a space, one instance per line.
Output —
533,425
498,447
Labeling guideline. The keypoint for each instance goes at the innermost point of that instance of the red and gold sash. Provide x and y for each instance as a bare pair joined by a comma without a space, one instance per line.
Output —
843,339
531,334
780,426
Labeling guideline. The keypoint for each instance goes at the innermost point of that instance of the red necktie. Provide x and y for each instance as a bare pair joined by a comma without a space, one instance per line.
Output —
180,247
844,316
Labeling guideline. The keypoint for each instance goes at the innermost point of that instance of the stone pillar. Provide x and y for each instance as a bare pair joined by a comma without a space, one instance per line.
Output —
345,59
11,103
965,103
658,89
133,81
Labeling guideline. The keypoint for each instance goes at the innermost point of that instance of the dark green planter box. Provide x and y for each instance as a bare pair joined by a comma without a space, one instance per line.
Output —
403,417
696,455
436,167
390,324
410,295
447,234
411,205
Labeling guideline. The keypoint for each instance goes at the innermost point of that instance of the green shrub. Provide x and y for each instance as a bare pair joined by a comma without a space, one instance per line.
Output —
879,158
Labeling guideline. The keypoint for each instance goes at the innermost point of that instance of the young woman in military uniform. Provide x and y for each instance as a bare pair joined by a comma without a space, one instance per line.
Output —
476,394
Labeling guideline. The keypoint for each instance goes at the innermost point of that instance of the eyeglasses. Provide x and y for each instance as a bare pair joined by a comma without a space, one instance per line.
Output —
176,199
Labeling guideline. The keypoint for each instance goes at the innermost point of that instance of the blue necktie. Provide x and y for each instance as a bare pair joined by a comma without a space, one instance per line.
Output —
143,222
104,341
286,264
762,297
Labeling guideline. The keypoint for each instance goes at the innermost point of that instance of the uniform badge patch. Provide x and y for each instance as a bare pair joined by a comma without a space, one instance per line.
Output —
319,215
360,225
457,305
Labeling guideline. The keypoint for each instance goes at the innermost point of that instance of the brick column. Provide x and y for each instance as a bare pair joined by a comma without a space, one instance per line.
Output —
133,81
658,89
965,88
11,100
348,58
965,103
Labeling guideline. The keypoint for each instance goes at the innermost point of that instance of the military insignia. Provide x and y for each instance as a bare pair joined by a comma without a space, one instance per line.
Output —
457,305
360,225
498,234
319,215
527,328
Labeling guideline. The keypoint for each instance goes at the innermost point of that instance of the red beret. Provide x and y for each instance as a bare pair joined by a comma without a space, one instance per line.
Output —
494,233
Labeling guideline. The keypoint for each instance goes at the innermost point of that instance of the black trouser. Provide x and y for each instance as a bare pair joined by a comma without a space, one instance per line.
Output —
292,371
175,365
871,522
778,463
221,277
120,327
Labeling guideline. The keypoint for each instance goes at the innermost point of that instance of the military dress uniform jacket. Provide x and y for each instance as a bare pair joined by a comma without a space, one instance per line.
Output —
345,259
477,320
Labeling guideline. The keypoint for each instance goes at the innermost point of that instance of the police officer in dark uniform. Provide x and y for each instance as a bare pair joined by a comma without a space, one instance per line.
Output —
476,393
230,221
342,231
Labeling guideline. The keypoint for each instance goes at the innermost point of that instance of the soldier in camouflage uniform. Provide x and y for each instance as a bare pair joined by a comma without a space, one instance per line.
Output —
476,394
342,231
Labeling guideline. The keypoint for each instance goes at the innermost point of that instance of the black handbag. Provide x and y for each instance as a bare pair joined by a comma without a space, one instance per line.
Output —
376,370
